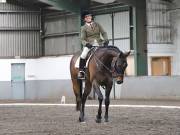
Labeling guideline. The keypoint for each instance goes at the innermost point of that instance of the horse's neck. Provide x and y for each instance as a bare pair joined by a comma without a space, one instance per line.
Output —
112,53
108,56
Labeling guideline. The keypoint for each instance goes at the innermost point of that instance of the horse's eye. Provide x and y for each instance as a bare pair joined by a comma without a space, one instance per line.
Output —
125,65
119,65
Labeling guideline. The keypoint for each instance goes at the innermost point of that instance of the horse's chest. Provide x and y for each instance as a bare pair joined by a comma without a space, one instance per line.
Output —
101,76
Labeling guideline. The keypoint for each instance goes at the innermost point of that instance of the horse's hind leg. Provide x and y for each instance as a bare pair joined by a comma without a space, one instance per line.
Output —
77,87
87,91
100,98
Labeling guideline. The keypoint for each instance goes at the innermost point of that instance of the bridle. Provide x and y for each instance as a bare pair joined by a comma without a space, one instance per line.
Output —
116,71
113,70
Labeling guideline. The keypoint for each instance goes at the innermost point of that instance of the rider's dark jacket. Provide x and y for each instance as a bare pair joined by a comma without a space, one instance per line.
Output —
92,31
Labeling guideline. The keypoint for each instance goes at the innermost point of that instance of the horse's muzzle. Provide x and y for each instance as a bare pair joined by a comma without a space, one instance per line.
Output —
119,80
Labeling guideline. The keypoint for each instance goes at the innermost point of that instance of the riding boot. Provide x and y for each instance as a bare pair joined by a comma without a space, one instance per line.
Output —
82,63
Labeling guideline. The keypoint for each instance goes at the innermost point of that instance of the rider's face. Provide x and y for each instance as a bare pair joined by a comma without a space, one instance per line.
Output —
88,18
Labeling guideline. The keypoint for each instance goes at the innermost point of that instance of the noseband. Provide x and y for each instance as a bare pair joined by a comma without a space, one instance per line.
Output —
114,70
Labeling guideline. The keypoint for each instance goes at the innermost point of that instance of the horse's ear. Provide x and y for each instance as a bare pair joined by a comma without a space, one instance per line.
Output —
127,53
120,54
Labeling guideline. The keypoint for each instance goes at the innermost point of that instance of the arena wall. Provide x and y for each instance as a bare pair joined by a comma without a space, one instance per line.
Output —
44,77
49,78
151,87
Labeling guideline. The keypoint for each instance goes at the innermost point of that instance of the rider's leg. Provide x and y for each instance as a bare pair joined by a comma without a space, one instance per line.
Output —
82,63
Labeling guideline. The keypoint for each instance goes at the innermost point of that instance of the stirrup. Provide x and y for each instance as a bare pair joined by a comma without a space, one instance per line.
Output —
81,75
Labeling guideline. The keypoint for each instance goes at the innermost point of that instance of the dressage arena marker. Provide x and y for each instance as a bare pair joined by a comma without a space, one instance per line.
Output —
63,100
88,105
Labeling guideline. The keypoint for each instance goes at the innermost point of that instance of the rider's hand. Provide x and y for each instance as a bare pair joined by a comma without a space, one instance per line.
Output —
106,42
88,45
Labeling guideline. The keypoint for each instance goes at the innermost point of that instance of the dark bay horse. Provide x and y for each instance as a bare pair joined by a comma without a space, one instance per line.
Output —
105,64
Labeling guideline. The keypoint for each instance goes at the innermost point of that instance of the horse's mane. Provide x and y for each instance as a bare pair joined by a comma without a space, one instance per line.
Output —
110,47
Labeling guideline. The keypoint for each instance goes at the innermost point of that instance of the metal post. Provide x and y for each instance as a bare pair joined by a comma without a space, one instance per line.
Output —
112,18
139,38
134,39
131,28
42,32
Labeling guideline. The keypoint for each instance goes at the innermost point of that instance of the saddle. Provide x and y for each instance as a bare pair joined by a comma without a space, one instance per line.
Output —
90,53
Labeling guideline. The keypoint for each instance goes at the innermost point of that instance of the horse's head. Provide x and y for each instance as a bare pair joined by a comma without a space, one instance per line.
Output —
118,66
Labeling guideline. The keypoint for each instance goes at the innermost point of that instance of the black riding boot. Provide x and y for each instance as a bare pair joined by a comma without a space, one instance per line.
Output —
82,63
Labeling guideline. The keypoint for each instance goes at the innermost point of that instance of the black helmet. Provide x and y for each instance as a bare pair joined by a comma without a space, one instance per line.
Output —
85,13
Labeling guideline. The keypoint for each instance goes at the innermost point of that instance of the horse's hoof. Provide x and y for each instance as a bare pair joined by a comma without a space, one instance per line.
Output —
98,120
106,120
81,120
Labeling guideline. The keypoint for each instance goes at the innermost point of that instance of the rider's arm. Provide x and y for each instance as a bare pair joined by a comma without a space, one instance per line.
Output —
83,36
103,32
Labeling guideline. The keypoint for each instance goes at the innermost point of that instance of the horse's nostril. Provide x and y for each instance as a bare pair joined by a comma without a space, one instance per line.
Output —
119,81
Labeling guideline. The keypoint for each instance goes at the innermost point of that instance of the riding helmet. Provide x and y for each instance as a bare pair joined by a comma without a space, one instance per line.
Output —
85,13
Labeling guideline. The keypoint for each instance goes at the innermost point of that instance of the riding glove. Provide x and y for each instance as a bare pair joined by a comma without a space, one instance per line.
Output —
106,42
88,45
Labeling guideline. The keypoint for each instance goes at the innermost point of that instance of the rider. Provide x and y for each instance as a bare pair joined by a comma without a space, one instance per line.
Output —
91,34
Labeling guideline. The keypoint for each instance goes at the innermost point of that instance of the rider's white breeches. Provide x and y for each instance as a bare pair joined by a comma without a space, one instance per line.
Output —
84,52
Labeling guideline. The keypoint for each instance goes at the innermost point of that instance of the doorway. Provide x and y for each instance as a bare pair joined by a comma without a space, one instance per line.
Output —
18,80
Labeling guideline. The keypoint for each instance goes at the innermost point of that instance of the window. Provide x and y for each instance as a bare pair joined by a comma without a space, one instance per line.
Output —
2,1
161,66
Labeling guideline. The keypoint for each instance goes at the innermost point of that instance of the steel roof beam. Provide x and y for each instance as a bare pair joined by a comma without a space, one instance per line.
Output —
69,5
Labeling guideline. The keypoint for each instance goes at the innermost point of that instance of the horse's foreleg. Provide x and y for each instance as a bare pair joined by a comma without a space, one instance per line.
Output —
100,98
87,90
107,102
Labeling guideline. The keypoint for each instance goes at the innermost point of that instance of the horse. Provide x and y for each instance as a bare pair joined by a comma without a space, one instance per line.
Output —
105,64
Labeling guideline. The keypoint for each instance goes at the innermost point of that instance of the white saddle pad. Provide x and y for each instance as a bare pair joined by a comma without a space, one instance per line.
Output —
78,59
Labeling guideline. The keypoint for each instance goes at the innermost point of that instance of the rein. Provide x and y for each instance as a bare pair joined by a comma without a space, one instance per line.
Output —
96,59
112,69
